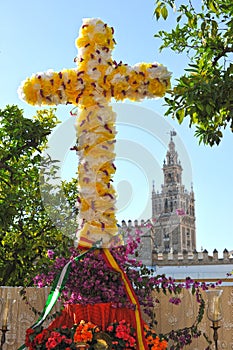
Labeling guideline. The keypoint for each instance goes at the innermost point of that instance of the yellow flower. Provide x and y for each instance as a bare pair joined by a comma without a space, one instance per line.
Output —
156,88
31,89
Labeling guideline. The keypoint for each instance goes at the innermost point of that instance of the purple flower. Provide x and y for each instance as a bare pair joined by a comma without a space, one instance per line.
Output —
175,301
50,254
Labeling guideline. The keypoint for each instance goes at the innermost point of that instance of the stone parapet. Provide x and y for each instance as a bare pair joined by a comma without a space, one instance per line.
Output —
188,258
150,256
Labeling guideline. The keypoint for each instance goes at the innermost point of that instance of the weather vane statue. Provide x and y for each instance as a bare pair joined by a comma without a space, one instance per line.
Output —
91,86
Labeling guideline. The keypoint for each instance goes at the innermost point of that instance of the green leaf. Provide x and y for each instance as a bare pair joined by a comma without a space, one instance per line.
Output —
214,28
212,5
180,114
157,11
164,12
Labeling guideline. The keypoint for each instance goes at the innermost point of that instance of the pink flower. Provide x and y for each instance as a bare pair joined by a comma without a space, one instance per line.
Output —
50,254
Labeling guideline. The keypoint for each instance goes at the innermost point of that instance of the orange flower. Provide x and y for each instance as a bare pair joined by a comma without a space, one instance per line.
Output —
154,342
84,332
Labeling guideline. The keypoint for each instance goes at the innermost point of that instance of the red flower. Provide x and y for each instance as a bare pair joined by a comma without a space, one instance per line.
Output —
41,337
110,328
51,343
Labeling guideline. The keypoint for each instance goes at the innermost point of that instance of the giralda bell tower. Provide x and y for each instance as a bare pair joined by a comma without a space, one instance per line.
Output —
173,208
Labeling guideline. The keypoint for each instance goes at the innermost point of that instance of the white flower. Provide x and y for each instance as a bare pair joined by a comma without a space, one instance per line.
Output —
158,71
49,74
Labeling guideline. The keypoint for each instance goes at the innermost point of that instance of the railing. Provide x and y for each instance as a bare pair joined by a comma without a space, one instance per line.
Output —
168,316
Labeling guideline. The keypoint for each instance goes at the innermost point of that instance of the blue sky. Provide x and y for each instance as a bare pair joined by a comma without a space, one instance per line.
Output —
39,35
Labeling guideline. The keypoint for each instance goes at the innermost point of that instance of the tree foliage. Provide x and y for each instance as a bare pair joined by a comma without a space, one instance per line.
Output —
27,229
204,94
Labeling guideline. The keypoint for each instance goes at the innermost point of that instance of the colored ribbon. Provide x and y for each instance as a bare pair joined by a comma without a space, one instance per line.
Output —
131,295
56,290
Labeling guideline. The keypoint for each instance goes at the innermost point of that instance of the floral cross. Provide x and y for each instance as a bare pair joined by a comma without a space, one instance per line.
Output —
96,80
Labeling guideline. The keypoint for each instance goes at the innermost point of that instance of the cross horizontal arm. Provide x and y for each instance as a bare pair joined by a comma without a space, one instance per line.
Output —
52,88
143,80
75,86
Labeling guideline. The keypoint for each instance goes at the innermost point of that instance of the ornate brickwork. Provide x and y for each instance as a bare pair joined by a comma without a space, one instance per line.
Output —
151,256
173,209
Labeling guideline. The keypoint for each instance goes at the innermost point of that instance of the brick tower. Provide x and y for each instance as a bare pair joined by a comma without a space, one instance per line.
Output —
173,209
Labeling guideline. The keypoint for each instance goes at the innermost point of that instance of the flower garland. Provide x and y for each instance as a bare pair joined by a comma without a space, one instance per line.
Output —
44,339
92,282
121,336
96,80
